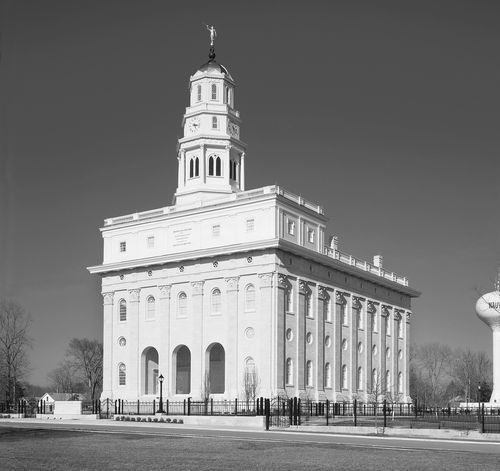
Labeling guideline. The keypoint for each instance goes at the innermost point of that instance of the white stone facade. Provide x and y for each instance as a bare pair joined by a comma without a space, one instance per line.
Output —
227,281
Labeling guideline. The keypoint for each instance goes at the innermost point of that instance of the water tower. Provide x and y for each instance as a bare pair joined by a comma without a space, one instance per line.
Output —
488,310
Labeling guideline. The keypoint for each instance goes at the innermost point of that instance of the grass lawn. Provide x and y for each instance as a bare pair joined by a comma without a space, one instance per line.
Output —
45,449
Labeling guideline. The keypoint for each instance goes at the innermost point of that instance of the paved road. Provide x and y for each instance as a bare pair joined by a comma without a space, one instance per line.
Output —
289,437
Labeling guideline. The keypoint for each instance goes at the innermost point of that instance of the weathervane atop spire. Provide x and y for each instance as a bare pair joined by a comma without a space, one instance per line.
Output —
213,35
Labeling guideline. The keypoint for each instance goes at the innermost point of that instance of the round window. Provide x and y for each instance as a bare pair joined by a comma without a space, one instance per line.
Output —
360,347
344,344
375,350
388,352
122,342
249,333
289,334
400,354
309,337
328,341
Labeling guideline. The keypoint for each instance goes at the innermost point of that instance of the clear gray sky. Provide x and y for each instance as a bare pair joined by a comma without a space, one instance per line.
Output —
386,113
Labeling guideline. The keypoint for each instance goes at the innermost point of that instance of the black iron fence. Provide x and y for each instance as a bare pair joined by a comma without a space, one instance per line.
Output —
287,412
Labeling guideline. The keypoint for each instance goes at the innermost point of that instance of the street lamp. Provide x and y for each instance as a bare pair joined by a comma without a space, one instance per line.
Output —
160,410
479,398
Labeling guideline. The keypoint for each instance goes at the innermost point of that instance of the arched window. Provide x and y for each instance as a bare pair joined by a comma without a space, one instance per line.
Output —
182,305
123,310
218,171
122,374
400,382
149,370
191,168
231,168
308,301
309,376
196,167
328,376
360,378
216,301
343,379
150,307
289,300
388,381
289,371
216,369
214,122
214,91
227,96
182,370
198,93
375,380
211,166
250,298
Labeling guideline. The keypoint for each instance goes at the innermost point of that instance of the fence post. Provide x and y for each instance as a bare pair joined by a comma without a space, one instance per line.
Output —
482,417
299,410
154,406
385,413
236,406
167,407
138,405
268,413
327,409
355,412
189,406
211,406
184,407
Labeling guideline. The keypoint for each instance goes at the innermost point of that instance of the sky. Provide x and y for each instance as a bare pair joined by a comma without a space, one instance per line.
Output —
386,113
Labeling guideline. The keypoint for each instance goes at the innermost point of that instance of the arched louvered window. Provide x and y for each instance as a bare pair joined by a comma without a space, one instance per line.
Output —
309,375
360,378
231,169
343,379
328,376
191,168
182,304
196,167
250,298
289,371
123,310
216,301
150,307
122,374
215,123
198,93
218,170
211,166
214,91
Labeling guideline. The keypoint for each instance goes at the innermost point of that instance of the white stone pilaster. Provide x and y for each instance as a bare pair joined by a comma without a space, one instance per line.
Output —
165,360
199,367
134,385
108,372
232,376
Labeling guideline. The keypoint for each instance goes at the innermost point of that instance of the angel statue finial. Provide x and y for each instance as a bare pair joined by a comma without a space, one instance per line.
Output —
213,34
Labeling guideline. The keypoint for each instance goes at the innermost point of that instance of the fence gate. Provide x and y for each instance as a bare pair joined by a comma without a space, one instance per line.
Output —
279,414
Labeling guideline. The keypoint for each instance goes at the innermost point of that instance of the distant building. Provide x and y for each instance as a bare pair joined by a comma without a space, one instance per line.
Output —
228,281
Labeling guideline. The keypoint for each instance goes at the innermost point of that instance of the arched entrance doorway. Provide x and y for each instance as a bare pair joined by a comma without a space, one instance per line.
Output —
182,363
216,368
149,371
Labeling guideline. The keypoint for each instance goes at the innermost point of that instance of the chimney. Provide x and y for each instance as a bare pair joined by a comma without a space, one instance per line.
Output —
333,242
378,261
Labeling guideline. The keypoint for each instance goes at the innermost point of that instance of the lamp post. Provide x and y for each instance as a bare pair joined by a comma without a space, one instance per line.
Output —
160,409
479,398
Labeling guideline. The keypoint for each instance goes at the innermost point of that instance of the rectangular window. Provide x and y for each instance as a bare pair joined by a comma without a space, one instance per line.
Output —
151,242
310,235
214,122
214,91
250,225
291,227
216,230
123,246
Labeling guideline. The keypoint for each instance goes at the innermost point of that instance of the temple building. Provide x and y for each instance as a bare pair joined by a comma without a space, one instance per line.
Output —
229,283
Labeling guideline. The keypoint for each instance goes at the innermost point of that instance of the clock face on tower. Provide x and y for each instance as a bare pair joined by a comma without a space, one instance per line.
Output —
233,130
193,125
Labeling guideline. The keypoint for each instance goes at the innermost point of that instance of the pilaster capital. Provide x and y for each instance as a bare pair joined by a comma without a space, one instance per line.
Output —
232,283
340,298
197,287
357,302
134,295
386,310
371,307
408,315
398,314
323,292
266,279
304,287
108,298
165,291
283,281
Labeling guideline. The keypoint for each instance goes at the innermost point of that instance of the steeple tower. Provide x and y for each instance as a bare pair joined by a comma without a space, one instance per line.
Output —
211,155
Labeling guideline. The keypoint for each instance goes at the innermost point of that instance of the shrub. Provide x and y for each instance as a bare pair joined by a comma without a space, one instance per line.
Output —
162,420
174,421
149,419
132,419
155,420
117,418
181,421
169,420
127,419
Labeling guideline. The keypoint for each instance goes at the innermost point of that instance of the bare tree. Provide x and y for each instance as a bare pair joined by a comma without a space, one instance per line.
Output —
432,365
85,357
377,393
65,379
14,343
251,383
